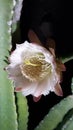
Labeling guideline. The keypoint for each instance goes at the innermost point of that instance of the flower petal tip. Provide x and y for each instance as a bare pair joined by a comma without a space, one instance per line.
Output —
63,67
58,90
36,99
18,89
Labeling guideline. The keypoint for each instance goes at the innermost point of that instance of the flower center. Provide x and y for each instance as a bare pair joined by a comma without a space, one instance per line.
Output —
35,67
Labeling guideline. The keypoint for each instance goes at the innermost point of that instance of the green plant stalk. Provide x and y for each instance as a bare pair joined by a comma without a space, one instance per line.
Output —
8,116
22,107
68,58
16,16
22,112
69,124
72,86
56,114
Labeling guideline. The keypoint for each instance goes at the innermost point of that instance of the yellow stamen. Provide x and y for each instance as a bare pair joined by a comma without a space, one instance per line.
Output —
27,62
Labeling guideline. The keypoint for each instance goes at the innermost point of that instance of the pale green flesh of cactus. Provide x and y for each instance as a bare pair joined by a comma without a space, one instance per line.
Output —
64,60
22,107
56,114
67,122
8,116
22,112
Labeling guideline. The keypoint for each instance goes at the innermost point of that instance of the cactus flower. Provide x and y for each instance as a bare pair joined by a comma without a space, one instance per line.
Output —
34,70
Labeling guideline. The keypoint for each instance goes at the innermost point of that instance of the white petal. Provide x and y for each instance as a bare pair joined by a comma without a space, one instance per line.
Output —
58,90
27,87
26,49
42,88
16,56
23,52
45,86
30,89
13,70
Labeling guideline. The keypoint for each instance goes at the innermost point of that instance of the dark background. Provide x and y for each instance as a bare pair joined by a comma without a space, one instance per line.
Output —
58,13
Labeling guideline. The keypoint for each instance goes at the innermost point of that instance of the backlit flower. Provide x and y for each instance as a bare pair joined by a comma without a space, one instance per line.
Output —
34,70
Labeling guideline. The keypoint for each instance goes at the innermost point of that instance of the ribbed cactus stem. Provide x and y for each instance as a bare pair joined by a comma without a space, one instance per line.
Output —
56,114
8,116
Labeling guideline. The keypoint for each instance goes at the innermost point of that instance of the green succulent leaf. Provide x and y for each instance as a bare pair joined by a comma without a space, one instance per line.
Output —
8,116
66,59
56,114
67,122
72,86
22,112
17,13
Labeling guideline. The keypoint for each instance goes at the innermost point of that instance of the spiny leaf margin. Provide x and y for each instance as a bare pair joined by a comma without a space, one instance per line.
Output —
56,114
22,111
8,116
